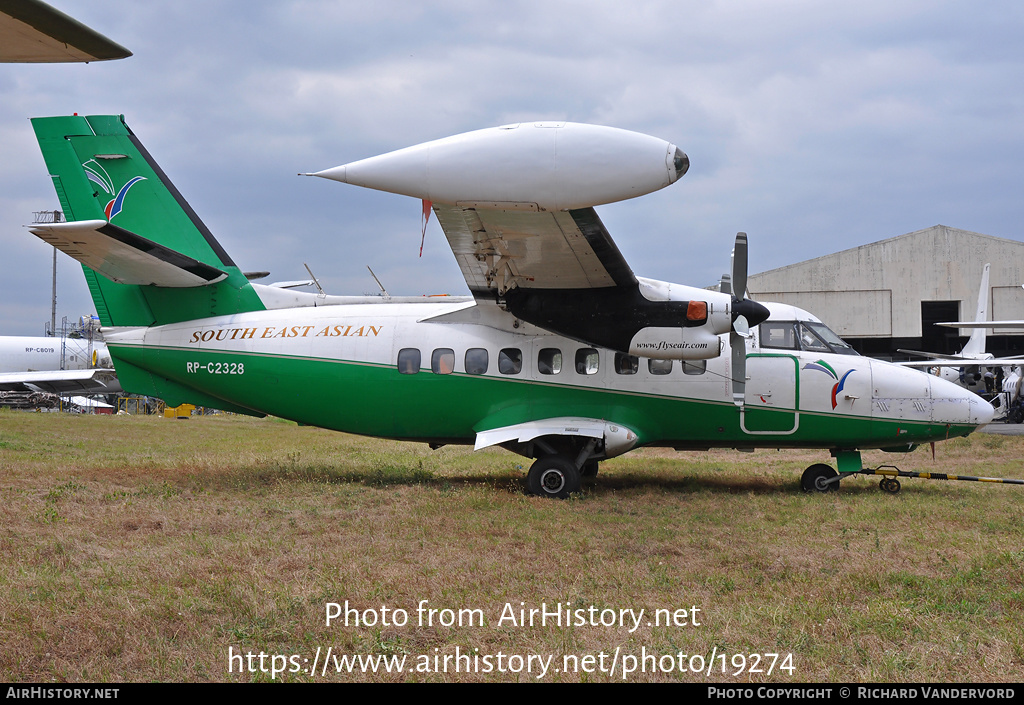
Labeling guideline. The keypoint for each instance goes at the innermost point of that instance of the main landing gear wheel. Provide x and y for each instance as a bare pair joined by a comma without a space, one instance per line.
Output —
589,468
815,476
890,485
553,476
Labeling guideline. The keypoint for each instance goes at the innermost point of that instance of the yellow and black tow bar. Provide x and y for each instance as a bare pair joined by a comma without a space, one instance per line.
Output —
890,484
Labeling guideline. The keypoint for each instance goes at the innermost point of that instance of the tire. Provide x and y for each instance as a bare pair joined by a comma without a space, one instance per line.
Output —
553,476
813,479
890,485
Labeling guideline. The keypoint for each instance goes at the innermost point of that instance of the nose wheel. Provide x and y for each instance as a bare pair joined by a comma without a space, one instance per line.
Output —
819,478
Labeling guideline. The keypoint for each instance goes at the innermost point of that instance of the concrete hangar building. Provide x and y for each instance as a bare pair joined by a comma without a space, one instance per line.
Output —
889,294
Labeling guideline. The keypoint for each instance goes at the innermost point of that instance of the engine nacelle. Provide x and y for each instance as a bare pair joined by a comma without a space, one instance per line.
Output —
676,343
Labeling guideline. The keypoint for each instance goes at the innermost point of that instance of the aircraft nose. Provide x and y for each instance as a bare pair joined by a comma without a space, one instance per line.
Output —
986,412
955,405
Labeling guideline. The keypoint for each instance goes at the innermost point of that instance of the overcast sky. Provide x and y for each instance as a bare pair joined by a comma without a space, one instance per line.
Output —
813,126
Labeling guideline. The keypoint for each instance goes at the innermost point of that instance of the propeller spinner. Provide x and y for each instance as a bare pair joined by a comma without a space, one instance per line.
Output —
745,314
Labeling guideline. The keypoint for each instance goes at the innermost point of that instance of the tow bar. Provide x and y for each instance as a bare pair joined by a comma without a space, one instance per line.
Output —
890,484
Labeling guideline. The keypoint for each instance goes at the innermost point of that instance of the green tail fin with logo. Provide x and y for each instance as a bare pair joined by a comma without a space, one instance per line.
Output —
148,258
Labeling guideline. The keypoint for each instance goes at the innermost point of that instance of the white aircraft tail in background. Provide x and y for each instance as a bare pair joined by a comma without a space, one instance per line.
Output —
965,368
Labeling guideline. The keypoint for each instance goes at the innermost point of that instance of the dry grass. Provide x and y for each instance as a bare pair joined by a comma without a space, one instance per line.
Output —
142,549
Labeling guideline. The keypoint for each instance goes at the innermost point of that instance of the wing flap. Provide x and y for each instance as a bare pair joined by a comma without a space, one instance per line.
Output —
124,257
499,249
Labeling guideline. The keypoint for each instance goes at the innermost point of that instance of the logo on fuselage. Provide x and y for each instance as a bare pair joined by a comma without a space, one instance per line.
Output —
823,366
95,172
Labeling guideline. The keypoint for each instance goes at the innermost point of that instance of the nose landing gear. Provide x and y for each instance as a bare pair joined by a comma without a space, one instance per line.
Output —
819,478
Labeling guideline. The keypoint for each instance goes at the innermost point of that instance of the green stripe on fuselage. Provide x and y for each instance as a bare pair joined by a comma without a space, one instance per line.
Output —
377,400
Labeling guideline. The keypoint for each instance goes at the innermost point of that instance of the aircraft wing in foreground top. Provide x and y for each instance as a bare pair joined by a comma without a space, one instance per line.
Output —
33,32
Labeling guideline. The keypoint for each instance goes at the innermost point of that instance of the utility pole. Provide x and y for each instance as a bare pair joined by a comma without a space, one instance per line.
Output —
51,217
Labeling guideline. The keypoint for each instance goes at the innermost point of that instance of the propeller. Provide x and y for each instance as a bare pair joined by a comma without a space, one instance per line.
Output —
745,313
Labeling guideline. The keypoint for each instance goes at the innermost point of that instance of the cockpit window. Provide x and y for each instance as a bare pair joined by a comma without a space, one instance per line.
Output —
837,344
778,334
802,335
810,341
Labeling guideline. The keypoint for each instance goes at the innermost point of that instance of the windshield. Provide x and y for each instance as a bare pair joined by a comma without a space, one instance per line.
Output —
803,335
837,344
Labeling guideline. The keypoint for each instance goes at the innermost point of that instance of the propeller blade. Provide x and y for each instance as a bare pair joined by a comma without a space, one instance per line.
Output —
725,285
739,266
741,325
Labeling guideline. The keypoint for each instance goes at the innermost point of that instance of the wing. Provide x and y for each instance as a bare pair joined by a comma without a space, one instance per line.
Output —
501,249
33,32
94,381
516,204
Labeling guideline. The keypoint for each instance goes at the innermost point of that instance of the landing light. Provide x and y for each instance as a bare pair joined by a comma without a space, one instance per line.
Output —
681,162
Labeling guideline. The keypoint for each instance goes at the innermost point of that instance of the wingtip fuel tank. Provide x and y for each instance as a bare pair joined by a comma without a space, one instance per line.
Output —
542,166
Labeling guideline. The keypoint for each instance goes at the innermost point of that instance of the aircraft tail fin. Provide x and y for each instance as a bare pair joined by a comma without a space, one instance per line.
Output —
148,258
975,346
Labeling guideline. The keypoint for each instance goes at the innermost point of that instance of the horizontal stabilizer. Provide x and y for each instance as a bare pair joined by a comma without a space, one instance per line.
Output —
933,356
124,257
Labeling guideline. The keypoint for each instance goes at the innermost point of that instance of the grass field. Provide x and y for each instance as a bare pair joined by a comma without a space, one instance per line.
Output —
141,548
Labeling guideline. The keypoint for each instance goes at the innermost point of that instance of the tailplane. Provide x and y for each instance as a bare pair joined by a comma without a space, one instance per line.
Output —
148,258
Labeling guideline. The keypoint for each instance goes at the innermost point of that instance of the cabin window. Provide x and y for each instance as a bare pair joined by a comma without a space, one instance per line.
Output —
409,361
549,361
587,361
659,367
695,367
442,361
476,361
510,361
626,364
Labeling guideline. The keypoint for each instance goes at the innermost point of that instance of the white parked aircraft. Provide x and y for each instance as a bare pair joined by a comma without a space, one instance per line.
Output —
966,367
562,354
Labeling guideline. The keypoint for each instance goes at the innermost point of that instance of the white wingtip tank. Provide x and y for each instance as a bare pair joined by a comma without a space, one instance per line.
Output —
546,166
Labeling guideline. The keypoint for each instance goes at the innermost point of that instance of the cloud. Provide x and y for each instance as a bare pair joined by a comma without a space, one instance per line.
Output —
812,126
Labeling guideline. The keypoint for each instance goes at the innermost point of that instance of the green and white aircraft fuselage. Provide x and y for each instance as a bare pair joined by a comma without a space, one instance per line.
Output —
525,363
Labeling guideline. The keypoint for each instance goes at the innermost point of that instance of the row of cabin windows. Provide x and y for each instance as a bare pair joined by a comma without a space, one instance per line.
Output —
549,362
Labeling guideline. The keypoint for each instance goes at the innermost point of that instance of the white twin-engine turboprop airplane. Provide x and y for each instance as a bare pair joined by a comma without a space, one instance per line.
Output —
562,354
55,365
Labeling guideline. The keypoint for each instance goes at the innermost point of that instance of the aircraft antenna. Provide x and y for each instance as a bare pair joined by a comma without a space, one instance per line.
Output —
383,291
313,277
